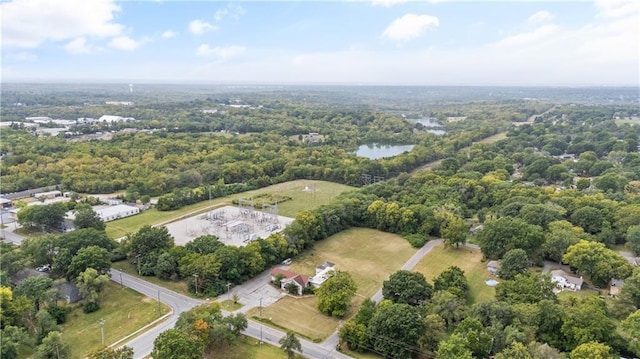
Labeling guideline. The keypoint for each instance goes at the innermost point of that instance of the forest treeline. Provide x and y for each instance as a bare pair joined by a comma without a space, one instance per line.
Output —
183,148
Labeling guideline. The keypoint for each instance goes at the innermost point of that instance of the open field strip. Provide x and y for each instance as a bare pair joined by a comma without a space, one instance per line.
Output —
370,256
469,260
124,311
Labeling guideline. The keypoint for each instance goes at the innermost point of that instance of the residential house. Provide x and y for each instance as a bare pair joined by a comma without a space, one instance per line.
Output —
322,273
564,280
301,281
493,267
614,287
69,292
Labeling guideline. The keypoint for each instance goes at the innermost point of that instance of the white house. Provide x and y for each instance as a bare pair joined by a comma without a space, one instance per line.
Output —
322,273
564,280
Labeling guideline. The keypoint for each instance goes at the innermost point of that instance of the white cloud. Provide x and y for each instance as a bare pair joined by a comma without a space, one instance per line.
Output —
233,11
168,34
529,37
28,23
387,3
409,27
221,53
199,27
617,8
541,17
79,45
124,43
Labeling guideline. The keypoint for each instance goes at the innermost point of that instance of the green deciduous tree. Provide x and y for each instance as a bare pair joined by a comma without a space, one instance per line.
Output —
407,287
592,350
601,264
435,330
503,234
526,288
395,330
514,351
90,283
44,217
515,261
589,218
290,344
335,294
453,280
86,217
38,289
354,335
633,238
455,347
89,257
560,236
175,344
586,322
52,347
631,332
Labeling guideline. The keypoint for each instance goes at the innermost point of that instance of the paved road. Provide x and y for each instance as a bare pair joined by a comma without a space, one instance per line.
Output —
143,344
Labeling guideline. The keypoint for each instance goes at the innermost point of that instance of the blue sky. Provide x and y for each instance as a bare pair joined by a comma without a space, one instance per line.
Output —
394,42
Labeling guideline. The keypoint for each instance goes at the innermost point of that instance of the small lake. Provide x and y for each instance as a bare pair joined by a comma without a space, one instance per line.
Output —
376,151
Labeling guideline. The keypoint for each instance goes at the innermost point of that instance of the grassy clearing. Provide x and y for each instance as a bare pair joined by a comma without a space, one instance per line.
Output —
248,348
286,313
318,193
469,260
567,296
370,256
176,286
123,310
495,138
230,306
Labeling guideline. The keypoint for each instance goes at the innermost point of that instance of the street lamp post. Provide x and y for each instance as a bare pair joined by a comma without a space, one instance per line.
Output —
121,283
195,276
228,291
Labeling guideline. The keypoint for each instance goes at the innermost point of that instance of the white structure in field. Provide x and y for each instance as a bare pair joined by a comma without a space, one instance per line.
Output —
110,213
322,273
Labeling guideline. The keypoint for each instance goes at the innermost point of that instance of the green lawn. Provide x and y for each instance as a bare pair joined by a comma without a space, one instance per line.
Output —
370,256
176,286
469,260
123,310
230,306
318,193
248,348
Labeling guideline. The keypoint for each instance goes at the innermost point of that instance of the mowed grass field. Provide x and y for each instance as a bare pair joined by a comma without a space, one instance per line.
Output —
248,348
469,260
123,310
370,256
305,195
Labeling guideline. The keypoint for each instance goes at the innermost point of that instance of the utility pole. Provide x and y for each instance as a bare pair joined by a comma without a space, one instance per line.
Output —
102,329
158,300
121,284
228,291
260,320
195,276
138,262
